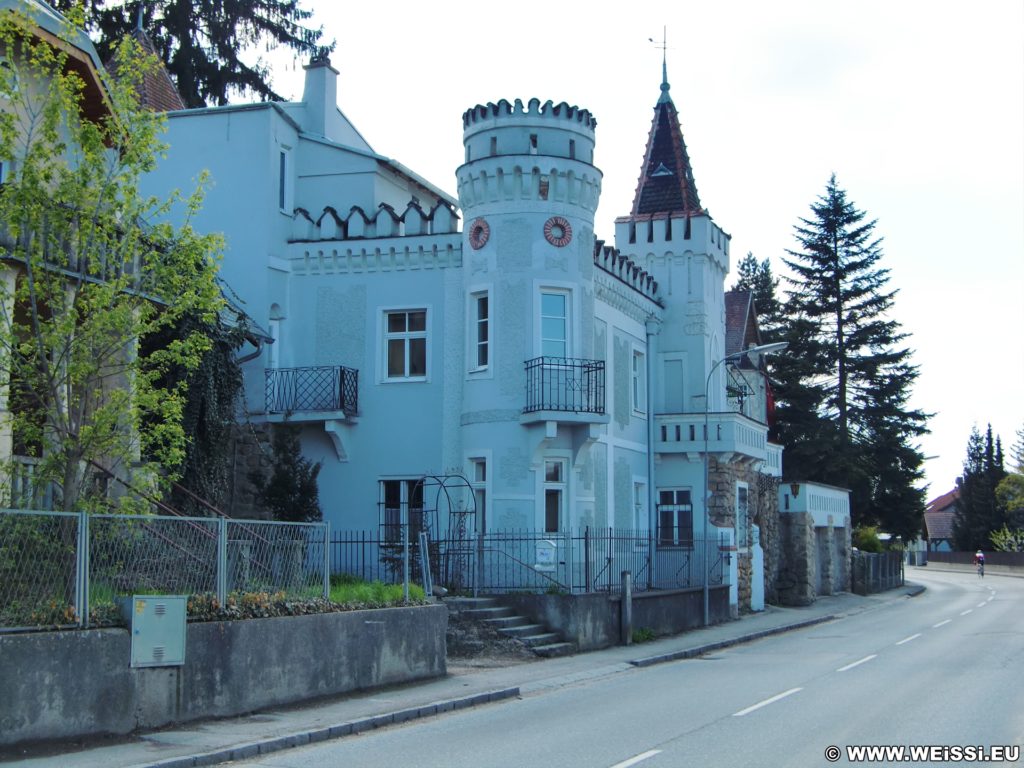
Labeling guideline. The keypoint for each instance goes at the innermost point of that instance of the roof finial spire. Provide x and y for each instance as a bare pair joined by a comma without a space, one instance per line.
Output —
138,18
664,61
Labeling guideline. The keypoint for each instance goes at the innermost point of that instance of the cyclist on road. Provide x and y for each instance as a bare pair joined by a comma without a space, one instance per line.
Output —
979,560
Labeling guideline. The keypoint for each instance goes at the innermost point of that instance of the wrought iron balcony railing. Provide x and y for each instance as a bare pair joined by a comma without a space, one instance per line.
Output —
321,388
564,384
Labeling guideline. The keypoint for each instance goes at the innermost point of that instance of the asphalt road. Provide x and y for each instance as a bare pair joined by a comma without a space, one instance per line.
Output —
944,668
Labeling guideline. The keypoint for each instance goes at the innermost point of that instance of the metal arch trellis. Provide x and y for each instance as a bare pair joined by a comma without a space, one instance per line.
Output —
452,563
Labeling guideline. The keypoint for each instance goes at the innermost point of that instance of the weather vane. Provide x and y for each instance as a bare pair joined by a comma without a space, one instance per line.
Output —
664,47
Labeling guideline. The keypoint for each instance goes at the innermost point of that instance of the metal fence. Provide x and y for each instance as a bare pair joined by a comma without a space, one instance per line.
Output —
55,566
876,572
584,561
320,388
564,384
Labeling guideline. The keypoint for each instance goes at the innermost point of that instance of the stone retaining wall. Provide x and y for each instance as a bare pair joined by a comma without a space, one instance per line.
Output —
62,685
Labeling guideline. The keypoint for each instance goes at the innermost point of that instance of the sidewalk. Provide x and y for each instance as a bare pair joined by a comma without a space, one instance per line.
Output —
212,742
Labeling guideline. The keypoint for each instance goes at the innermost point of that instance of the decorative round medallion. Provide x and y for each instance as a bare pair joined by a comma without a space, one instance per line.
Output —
479,233
558,231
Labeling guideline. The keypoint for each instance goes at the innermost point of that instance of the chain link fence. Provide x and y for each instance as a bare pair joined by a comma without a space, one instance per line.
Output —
56,567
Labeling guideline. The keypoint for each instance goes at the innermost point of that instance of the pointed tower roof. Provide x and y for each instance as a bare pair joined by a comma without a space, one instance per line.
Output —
666,184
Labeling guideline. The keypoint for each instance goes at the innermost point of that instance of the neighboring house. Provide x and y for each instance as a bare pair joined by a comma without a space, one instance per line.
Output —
938,520
562,381
50,27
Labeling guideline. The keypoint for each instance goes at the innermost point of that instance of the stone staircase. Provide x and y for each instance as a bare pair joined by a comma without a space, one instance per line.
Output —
490,611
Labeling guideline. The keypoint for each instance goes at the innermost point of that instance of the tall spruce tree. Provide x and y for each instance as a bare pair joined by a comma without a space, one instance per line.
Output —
978,510
757,277
845,380
203,43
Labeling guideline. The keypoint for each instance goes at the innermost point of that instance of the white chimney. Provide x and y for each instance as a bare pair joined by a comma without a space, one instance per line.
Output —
320,94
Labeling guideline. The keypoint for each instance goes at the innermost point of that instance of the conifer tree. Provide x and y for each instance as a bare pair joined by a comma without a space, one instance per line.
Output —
757,278
845,380
978,511
206,44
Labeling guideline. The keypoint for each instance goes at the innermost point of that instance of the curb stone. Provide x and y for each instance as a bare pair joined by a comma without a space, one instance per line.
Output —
257,748
689,653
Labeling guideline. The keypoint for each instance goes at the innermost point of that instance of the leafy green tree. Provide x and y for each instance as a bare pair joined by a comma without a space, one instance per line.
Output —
290,492
86,275
204,44
845,380
978,511
1010,490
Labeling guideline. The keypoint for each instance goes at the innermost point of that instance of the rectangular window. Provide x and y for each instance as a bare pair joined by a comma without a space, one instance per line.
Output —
638,383
742,515
554,495
675,518
405,341
554,324
640,507
478,480
481,331
533,143
401,500
282,181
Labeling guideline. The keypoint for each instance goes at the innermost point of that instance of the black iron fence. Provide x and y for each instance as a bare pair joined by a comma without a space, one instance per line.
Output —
320,388
876,572
583,561
564,384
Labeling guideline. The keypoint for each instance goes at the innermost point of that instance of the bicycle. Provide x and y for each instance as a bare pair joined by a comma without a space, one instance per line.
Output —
981,569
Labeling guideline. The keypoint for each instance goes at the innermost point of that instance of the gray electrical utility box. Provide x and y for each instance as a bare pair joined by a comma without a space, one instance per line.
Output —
157,627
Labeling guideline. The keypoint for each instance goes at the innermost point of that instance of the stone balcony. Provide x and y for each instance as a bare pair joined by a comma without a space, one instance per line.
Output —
730,435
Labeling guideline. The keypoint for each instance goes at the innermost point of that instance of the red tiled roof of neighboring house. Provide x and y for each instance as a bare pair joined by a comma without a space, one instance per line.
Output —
939,514
740,321
157,91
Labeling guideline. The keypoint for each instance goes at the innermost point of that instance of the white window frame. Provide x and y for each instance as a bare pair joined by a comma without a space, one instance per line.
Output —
566,293
742,516
285,184
555,486
641,520
638,381
480,481
676,541
386,336
473,325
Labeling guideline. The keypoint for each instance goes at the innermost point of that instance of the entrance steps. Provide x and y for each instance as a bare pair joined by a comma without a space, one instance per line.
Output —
490,611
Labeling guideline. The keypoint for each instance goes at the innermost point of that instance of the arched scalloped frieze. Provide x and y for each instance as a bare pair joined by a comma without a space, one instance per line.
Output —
415,220
357,224
302,225
330,226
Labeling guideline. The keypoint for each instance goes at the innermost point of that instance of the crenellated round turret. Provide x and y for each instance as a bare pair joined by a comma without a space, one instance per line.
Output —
532,155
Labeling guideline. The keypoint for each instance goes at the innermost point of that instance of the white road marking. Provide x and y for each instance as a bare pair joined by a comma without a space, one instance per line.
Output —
638,759
991,599
964,613
857,663
936,626
981,605
908,639
766,702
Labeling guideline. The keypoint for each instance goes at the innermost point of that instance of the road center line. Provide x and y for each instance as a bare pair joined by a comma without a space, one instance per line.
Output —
981,605
908,639
857,663
991,599
964,613
638,759
766,702
936,626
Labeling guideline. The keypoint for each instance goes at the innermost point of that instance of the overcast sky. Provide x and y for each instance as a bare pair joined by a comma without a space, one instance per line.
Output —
918,107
